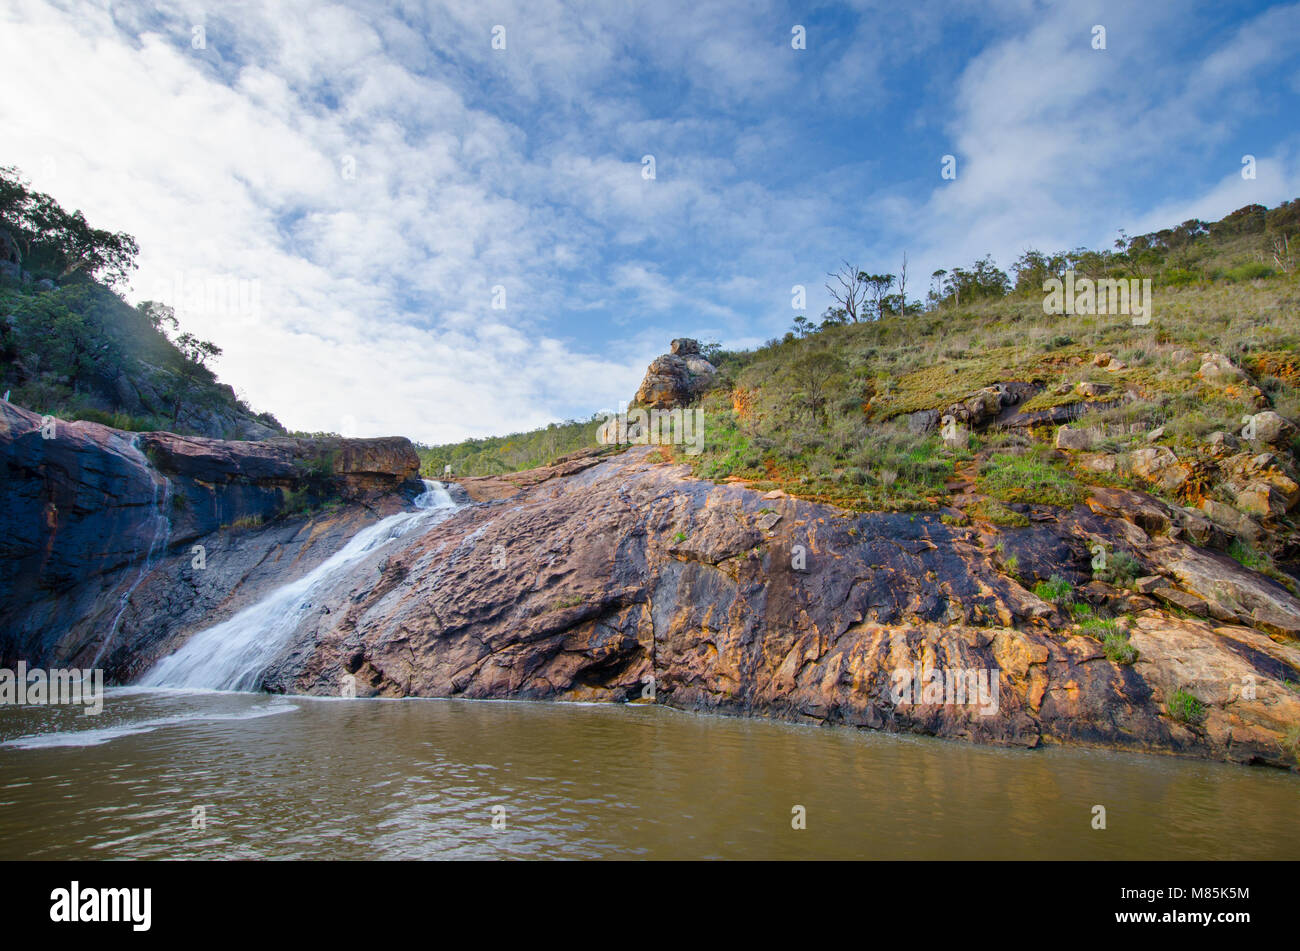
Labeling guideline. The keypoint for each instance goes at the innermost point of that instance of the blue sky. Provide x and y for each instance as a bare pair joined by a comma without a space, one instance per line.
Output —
369,172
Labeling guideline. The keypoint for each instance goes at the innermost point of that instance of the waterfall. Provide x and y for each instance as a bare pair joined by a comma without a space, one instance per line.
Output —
162,530
232,655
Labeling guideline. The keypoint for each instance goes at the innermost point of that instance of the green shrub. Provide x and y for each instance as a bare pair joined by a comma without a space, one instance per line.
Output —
1291,742
1028,478
1249,272
1248,557
1122,569
1118,649
1184,706
1099,627
993,511
1178,277
1056,590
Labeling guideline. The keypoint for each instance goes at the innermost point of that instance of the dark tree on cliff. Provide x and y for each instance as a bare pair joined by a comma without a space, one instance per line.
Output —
194,372
59,243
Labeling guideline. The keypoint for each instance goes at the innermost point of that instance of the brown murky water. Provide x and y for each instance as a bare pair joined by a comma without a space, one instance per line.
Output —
301,778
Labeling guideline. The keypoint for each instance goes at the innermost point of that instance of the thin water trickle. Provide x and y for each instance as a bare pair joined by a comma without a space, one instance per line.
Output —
157,544
234,654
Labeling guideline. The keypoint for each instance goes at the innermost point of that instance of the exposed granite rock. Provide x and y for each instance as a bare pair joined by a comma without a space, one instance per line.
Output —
1074,439
592,586
676,378
1269,428
617,577
1159,465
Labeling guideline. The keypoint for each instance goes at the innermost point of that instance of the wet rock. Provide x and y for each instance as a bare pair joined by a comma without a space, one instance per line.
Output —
609,572
89,508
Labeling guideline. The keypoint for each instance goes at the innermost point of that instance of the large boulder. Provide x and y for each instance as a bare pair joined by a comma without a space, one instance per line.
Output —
1269,428
988,403
1159,465
676,378
1260,484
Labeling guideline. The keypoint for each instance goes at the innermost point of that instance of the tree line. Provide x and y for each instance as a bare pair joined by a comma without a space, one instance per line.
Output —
1172,254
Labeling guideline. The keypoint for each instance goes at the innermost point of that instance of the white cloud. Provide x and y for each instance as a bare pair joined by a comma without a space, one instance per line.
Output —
475,167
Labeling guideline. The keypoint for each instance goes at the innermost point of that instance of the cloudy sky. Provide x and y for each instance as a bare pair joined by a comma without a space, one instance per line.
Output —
372,178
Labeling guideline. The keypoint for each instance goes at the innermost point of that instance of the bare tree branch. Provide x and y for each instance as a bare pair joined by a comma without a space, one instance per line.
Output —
852,291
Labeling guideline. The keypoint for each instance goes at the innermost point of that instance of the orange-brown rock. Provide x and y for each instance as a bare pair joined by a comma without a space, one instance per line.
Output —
629,579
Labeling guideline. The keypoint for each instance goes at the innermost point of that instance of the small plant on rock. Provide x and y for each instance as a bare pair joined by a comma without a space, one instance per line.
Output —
1118,649
1056,590
1185,707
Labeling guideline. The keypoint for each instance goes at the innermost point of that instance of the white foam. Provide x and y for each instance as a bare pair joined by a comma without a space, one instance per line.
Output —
233,655
106,734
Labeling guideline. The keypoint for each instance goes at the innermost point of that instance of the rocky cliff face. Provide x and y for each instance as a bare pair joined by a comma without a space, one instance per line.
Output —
100,524
631,580
621,577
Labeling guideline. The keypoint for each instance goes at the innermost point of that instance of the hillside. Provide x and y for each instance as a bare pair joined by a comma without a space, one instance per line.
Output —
73,348
1043,406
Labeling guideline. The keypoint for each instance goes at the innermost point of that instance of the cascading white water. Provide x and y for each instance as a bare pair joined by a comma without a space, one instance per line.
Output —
233,654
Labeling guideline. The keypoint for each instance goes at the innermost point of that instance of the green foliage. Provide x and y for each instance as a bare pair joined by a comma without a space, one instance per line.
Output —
1118,649
1248,557
967,285
994,511
300,501
1291,742
494,455
1254,271
1098,627
1032,477
80,351
56,243
1056,590
1184,706
821,413
1122,569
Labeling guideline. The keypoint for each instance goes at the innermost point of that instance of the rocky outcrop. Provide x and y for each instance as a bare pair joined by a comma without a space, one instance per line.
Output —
621,577
676,378
90,511
628,579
